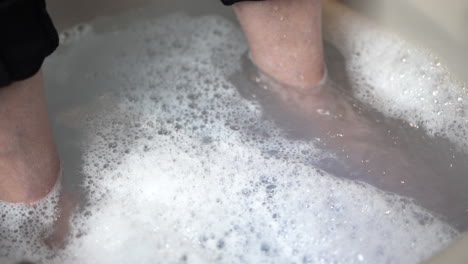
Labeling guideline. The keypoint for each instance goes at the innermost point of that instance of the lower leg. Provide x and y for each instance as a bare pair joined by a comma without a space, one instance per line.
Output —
29,163
285,39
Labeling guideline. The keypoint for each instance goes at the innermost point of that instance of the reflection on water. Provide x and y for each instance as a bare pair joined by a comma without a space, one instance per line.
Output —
179,157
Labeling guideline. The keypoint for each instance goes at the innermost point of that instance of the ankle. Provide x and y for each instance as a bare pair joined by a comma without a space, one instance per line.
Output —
290,73
311,86
27,177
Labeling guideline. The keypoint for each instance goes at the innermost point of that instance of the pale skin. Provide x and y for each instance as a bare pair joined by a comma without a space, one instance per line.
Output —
278,32
285,39
29,163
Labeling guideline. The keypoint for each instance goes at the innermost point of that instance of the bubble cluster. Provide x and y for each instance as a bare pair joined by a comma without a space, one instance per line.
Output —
74,34
179,168
400,79
24,226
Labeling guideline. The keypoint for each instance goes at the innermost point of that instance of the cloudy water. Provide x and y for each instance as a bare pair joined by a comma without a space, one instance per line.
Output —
180,151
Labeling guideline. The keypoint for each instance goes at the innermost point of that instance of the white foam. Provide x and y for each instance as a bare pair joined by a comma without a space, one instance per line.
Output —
23,227
180,168
399,78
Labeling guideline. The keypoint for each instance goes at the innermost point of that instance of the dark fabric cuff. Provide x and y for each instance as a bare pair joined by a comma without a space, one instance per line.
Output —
231,2
27,36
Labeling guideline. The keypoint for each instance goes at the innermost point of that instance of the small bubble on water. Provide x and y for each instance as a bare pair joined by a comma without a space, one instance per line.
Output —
360,257
265,247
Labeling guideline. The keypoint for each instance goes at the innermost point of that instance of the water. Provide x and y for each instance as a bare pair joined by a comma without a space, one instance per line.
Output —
178,157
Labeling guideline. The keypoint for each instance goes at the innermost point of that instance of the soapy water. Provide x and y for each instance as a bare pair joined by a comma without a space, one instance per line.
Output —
420,90
178,167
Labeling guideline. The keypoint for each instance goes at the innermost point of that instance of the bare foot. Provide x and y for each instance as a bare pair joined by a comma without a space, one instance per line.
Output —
337,122
285,41
57,239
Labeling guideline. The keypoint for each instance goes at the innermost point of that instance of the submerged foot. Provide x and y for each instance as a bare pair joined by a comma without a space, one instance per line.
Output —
337,122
